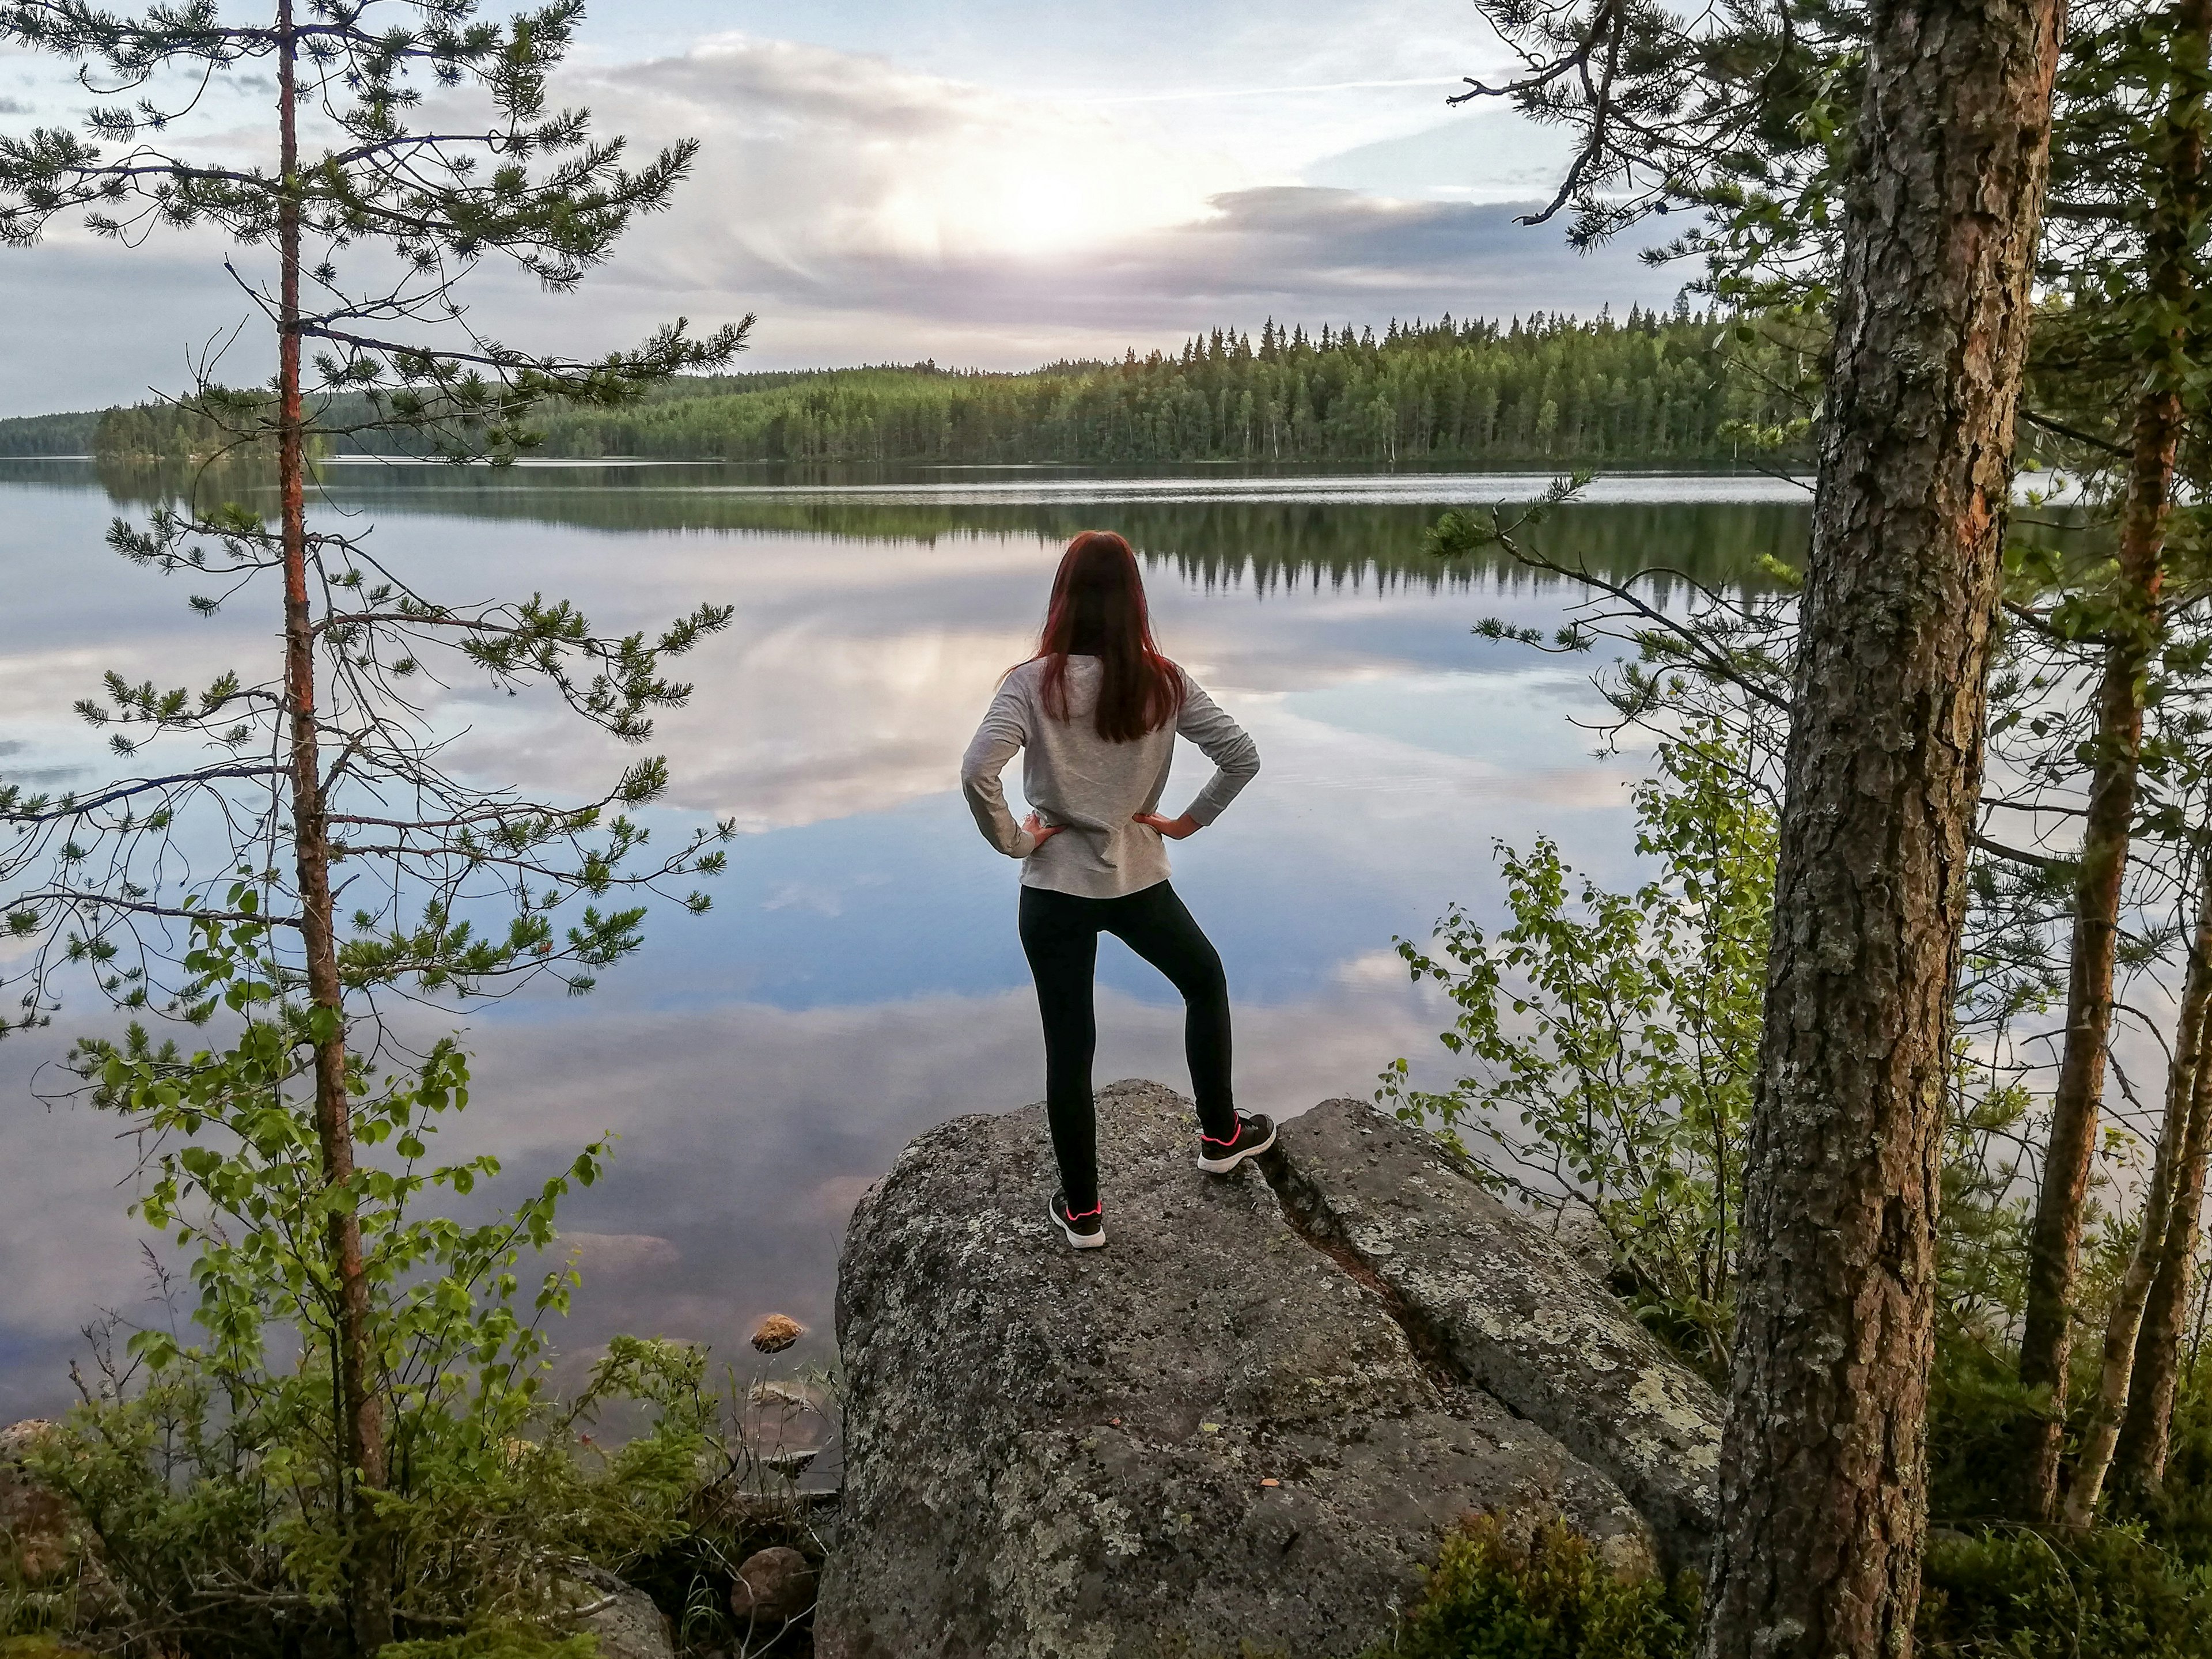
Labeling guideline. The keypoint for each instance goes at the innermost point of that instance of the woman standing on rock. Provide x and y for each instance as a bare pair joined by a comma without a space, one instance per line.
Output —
1096,712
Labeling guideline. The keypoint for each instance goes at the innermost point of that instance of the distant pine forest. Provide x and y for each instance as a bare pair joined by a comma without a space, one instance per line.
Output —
1657,387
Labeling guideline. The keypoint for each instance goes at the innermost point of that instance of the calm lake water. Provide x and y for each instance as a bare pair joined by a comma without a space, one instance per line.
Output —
858,979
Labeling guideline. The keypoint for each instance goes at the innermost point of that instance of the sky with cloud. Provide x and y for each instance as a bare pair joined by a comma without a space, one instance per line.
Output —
982,182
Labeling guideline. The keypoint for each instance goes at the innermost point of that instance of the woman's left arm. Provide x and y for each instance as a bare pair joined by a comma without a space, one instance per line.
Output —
1235,760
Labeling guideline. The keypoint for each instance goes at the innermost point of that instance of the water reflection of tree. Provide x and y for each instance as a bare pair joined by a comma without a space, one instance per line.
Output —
1268,545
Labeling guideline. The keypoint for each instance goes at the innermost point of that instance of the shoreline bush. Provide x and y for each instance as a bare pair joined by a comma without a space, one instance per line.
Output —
1551,1596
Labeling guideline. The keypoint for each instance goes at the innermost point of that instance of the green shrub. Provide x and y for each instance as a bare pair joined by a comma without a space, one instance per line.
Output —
220,1558
1974,1407
1609,1040
1494,1597
2106,1595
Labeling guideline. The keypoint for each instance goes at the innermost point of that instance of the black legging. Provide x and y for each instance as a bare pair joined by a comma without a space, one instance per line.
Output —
1059,935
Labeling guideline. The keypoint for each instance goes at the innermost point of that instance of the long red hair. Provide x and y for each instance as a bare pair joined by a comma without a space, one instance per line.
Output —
1099,610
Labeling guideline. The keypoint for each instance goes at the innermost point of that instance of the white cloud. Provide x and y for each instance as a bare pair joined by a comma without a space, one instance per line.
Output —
809,155
848,199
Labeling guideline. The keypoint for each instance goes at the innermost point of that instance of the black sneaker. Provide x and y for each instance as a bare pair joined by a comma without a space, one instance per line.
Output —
1086,1231
1254,1134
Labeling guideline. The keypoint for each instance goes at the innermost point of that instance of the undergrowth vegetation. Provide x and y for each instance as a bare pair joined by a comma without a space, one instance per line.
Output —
1493,1595
192,1544
1994,1593
1603,1043
202,1467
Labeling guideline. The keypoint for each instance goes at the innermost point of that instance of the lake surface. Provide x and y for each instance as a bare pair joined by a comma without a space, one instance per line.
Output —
858,979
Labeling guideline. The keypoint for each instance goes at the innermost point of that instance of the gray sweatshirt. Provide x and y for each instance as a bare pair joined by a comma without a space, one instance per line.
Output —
1090,787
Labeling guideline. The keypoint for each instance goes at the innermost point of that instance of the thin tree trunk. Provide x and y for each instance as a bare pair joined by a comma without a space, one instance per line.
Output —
2055,1242
2124,1323
1823,1474
2139,1461
360,1411
2055,1238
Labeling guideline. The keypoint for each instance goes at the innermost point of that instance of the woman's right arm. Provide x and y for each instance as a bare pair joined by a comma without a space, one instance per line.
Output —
1003,731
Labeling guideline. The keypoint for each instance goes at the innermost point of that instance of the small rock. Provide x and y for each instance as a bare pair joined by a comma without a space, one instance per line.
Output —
773,1587
36,1522
784,1394
776,1333
624,1618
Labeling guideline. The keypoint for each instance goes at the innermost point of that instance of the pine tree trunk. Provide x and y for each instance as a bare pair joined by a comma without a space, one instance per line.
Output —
2123,1324
360,1408
2139,1461
1824,1461
2055,1242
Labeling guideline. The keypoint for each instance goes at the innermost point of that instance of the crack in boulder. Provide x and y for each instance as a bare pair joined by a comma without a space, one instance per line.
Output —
1484,1292
1311,1221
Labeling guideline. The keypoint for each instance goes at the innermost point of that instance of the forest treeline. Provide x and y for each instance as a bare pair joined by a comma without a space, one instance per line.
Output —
1673,387
1555,390
40,435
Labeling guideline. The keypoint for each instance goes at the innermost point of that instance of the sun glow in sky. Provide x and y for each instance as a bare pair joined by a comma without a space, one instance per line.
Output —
991,183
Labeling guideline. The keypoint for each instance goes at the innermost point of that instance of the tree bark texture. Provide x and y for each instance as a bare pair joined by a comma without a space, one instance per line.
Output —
1824,1463
2124,1323
360,1406
2136,628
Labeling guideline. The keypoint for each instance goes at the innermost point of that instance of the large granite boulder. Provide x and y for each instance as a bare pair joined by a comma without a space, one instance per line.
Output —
1225,1432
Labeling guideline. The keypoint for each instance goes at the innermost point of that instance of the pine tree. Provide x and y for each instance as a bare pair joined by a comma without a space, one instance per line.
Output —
329,752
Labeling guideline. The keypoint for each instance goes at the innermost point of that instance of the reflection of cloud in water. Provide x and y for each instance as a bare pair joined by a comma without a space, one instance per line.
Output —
1575,787
827,700
834,1199
850,680
747,1134
858,979
805,896
798,723
1375,967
